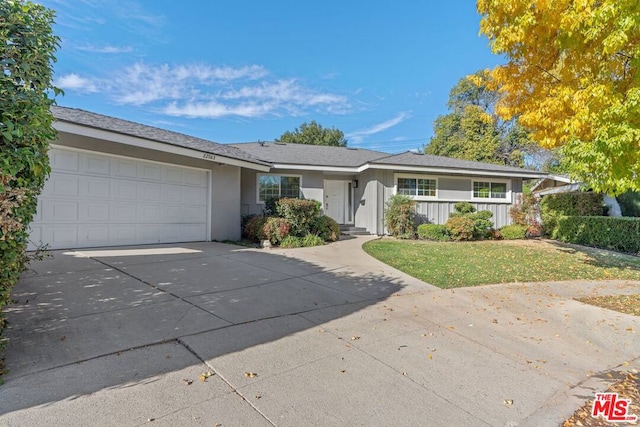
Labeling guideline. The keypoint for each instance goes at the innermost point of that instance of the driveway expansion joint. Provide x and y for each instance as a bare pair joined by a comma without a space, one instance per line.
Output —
151,285
223,379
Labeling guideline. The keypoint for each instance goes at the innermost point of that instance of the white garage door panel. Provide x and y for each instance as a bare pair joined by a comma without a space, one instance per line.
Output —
93,233
124,168
96,188
64,185
60,212
94,199
59,236
95,165
193,215
149,171
123,190
92,211
64,160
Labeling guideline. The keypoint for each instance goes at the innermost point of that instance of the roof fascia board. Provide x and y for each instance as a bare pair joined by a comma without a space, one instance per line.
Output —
345,169
451,171
91,132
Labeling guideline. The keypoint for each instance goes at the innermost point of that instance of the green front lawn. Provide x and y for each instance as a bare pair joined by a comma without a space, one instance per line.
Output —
456,264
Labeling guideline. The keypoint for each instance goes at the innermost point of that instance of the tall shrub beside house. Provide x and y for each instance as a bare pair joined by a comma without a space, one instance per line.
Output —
400,216
27,47
299,212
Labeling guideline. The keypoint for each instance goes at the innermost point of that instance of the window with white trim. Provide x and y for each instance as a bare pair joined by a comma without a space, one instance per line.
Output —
277,186
416,186
489,190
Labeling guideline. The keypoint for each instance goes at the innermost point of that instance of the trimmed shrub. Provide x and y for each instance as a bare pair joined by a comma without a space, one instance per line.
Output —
629,203
514,232
311,240
300,214
400,216
275,229
461,228
253,228
482,224
326,228
578,203
291,242
617,234
433,232
463,208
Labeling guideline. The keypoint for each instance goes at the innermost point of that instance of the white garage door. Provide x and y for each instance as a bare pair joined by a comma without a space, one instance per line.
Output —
95,199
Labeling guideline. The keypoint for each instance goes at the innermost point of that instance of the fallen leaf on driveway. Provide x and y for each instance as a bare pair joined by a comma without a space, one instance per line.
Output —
355,337
187,381
430,357
508,402
205,375
250,374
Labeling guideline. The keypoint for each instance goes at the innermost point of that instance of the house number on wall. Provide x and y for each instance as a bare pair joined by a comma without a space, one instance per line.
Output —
208,156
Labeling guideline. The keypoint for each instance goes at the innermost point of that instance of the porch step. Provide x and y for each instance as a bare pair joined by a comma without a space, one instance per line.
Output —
350,230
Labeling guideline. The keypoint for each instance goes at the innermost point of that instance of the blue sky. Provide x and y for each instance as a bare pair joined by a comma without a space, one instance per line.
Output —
237,71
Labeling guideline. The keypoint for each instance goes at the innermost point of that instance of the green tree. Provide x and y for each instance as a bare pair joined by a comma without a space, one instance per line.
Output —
314,134
27,47
572,78
472,132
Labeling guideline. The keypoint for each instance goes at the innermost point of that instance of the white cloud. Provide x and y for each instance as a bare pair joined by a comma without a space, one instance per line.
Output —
215,110
75,82
358,136
208,91
105,49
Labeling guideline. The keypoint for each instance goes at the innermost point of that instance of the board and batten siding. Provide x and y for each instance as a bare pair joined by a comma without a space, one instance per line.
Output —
450,191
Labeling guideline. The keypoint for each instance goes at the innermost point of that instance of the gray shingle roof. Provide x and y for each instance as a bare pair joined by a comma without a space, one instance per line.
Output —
265,153
126,127
416,159
318,155
310,155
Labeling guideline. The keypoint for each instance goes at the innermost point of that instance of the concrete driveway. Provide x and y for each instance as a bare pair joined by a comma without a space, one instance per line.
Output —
314,336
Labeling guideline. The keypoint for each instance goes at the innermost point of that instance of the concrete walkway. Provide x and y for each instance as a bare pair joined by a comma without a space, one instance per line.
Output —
312,336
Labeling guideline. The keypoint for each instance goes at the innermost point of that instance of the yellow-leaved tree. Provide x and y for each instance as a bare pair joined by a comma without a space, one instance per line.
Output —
572,79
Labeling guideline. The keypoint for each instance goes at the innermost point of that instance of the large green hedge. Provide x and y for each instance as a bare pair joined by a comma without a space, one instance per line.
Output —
630,203
27,47
579,203
614,233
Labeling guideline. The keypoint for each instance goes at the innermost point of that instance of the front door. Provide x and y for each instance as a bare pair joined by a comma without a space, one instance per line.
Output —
336,200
